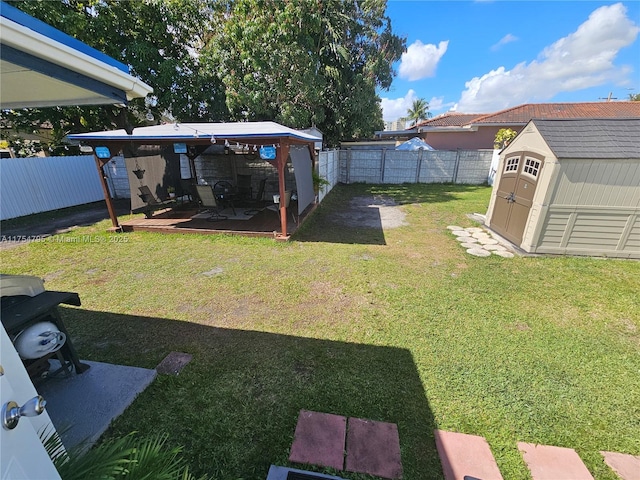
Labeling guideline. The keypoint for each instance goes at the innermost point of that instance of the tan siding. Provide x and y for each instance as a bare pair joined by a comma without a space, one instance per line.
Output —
598,182
595,231
553,229
633,242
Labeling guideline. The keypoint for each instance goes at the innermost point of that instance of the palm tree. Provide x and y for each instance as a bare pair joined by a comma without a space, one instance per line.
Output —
419,111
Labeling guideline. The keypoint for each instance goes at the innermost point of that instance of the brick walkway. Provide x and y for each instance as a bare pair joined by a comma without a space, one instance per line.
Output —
371,447
469,456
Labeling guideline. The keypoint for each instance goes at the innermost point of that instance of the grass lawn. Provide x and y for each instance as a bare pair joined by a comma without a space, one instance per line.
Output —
399,326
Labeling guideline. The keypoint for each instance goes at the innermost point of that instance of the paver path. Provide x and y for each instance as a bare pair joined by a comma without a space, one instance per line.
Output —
479,242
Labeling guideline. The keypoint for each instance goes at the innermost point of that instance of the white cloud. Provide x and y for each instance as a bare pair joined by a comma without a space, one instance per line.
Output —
508,38
395,108
580,60
420,60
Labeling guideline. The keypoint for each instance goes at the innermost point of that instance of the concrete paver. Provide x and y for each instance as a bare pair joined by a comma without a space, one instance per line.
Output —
373,448
478,252
319,439
465,457
626,466
547,462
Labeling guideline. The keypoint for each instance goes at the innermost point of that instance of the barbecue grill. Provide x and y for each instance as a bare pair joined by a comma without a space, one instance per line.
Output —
31,318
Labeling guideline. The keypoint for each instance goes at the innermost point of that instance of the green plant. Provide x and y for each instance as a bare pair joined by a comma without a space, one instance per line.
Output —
129,457
171,190
318,181
503,137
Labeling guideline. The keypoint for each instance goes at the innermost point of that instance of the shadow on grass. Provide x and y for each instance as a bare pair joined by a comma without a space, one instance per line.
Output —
235,406
352,213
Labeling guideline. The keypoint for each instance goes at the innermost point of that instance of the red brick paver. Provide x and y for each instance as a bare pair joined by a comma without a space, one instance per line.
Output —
465,456
373,448
627,467
553,463
319,439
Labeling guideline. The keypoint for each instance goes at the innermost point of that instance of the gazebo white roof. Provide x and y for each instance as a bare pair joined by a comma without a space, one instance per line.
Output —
184,132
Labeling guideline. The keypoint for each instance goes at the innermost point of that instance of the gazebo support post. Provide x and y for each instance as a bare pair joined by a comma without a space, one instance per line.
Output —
282,153
107,195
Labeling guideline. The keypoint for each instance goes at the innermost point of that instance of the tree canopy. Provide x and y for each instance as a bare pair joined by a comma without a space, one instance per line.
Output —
299,62
306,62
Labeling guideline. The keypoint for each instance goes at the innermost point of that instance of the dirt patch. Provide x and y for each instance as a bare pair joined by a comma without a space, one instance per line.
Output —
375,211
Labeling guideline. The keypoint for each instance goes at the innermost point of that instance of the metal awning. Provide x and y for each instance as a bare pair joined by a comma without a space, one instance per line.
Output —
262,133
43,67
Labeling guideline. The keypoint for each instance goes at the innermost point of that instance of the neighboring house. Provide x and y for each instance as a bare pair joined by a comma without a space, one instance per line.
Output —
571,187
452,130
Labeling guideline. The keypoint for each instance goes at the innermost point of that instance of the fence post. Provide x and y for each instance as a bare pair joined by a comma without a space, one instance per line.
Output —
348,166
382,162
419,166
457,164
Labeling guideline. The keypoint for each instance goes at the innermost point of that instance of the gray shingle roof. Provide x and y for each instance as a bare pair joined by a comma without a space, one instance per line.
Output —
592,138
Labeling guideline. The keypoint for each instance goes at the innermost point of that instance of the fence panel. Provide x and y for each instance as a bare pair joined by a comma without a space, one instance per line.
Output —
329,169
474,166
40,184
400,166
433,166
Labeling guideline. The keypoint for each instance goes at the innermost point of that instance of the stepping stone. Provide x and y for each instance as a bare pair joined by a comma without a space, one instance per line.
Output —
466,239
488,241
478,252
173,363
503,253
461,233
480,235
454,227
373,448
465,457
474,229
552,463
469,245
494,248
319,439
627,467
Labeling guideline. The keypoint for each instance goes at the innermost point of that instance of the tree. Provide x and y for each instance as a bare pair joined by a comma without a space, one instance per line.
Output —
305,62
634,97
159,40
419,111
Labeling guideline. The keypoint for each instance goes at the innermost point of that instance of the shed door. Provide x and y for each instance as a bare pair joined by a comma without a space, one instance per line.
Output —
515,195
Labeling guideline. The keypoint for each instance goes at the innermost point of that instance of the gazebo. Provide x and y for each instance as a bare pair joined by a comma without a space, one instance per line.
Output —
274,141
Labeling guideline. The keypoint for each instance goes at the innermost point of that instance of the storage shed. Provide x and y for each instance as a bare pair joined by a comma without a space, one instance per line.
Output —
571,187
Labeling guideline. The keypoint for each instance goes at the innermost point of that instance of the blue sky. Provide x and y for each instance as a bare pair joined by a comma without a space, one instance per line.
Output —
484,56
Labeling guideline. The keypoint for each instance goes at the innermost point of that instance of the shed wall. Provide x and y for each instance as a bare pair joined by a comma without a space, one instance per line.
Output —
594,210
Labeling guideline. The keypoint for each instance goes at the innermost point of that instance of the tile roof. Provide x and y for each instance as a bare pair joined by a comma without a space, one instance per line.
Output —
523,113
613,138
451,119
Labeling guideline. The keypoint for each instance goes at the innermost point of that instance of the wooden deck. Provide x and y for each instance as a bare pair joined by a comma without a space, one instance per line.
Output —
265,223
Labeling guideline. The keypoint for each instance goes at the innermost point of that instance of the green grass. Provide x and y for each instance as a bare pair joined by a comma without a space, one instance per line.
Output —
399,326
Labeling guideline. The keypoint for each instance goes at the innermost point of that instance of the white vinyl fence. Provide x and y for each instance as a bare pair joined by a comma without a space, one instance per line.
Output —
40,184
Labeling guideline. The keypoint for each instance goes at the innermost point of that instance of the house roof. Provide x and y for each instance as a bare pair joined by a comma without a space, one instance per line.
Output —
523,113
617,138
451,119
43,67
183,132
